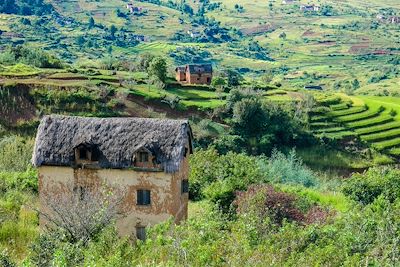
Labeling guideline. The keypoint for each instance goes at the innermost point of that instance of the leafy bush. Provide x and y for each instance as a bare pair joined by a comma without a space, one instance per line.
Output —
15,153
375,183
287,169
265,201
19,181
30,56
5,260
217,177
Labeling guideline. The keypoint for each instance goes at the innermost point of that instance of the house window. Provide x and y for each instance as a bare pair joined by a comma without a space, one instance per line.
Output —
143,157
143,197
185,186
208,79
83,153
141,233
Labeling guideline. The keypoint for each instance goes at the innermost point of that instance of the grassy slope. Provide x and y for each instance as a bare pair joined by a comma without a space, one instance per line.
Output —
314,44
376,120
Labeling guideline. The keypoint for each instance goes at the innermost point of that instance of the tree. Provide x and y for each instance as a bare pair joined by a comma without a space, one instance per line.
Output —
327,10
113,30
91,23
355,83
158,68
80,40
218,83
249,117
81,213
282,35
234,78
144,61
267,77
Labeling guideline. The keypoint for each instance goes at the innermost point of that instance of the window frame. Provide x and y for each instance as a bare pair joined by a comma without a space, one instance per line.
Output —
140,233
83,153
185,186
141,155
141,198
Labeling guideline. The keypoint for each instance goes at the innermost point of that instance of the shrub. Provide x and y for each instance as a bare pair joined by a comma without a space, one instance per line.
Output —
366,188
217,177
265,201
5,260
15,153
287,169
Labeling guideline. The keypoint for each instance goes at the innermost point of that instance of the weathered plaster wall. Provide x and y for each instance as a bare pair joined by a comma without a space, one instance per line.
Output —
198,79
166,197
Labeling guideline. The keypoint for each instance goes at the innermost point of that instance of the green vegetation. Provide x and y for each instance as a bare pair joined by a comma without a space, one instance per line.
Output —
294,106
275,208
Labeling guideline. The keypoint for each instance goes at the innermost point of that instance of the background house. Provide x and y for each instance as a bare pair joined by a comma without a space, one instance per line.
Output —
146,158
310,8
287,2
194,74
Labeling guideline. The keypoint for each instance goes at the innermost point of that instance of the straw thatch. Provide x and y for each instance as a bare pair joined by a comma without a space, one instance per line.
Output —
116,139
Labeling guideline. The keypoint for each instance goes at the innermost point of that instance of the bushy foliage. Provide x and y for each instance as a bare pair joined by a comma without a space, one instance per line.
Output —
266,202
5,259
189,54
30,56
20,7
217,177
158,68
287,169
15,153
376,182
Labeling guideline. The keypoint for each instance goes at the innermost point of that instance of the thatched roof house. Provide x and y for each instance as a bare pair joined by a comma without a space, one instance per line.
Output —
115,141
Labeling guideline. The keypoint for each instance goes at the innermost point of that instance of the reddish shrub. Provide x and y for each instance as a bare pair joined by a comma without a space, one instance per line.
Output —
265,201
318,215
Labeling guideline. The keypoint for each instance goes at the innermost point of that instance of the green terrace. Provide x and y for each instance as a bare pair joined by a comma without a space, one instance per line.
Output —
373,120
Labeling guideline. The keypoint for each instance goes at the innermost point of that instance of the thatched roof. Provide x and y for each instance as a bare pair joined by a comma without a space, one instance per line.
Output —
117,140
200,68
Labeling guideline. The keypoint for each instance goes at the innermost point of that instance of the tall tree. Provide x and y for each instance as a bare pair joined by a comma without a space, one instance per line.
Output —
158,68
91,23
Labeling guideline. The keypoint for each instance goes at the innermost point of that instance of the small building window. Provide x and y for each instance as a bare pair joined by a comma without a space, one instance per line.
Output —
87,153
143,197
141,233
143,157
185,186
83,153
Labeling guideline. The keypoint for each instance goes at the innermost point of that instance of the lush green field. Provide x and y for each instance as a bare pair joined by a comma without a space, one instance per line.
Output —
328,48
375,120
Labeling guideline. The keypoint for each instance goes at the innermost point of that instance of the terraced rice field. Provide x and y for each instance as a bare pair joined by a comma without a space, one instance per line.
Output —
374,120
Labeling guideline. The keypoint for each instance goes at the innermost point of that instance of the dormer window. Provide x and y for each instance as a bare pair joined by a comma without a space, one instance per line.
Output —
143,157
85,153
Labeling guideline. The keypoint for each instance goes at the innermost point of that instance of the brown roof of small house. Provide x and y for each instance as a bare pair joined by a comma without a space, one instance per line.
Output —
116,139
203,68
180,68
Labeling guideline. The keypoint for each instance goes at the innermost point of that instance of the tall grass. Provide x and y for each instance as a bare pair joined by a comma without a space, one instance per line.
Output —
15,153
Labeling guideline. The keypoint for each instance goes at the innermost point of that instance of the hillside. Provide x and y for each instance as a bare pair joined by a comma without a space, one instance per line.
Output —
287,156
333,47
